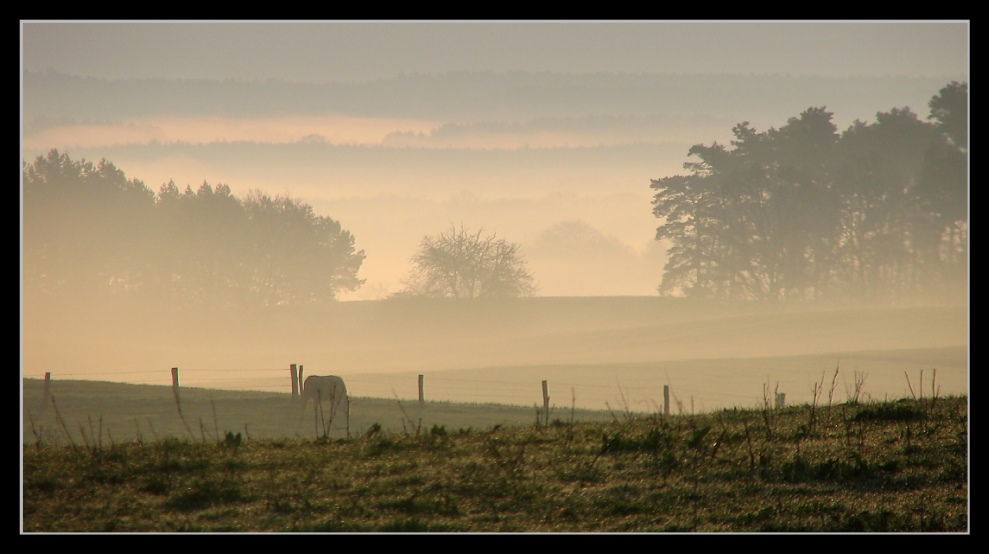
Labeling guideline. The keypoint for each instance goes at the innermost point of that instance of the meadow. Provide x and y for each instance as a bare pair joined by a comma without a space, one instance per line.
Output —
104,457
595,352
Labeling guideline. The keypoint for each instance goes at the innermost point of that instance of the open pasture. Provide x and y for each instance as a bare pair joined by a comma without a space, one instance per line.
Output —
605,353
876,467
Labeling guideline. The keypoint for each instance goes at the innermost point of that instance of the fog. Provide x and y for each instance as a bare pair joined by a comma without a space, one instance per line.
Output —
547,135
595,352
364,50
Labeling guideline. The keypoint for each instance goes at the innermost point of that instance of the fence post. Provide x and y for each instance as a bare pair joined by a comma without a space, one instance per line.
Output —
175,385
295,382
546,401
48,390
780,400
666,400
302,384
421,397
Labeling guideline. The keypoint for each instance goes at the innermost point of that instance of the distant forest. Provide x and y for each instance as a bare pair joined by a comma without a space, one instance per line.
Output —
877,213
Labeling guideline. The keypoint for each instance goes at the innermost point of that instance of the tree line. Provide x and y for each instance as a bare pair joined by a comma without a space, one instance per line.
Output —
876,213
89,231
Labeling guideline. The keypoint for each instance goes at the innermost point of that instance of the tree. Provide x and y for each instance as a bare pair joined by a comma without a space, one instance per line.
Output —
459,264
755,221
949,110
878,212
297,257
575,258
84,226
91,233
876,173
202,256
944,185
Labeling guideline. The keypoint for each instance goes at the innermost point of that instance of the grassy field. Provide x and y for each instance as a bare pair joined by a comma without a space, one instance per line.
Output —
81,411
710,354
114,458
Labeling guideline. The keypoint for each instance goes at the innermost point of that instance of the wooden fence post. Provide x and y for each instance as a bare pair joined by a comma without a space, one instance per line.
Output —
48,390
295,382
175,386
780,400
546,401
302,384
421,397
666,400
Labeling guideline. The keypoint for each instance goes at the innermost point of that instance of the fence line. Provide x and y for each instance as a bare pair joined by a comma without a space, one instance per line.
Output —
296,380
523,389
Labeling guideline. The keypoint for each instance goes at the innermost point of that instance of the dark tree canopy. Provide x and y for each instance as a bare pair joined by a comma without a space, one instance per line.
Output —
460,264
876,213
949,111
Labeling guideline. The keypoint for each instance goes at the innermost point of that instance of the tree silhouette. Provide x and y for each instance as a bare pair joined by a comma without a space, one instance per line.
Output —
878,212
875,175
460,264
89,232
944,185
754,221
299,258
84,226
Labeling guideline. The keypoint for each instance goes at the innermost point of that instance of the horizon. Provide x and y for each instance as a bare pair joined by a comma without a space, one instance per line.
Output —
394,153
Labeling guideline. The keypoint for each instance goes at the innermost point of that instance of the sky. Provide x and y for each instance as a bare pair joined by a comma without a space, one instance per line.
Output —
613,198
353,51
359,51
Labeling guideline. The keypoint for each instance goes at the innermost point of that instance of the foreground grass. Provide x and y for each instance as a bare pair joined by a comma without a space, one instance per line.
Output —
899,466
107,412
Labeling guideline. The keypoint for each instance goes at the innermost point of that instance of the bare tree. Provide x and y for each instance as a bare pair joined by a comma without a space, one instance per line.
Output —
461,264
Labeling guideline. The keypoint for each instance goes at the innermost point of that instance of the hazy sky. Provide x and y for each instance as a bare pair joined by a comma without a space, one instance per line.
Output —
321,51
390,200
615,198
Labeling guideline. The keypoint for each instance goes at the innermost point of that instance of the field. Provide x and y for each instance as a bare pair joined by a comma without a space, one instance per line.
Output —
81,411
597,353
114,458
872,435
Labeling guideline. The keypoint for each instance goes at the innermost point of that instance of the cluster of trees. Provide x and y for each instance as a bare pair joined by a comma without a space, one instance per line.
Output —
89,230
879,212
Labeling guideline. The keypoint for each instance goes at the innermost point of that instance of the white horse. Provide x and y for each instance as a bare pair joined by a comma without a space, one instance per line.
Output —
318,389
